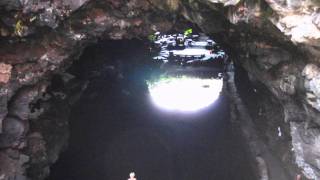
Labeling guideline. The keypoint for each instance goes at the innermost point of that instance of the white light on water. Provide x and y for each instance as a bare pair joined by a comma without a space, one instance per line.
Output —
191,52
185,93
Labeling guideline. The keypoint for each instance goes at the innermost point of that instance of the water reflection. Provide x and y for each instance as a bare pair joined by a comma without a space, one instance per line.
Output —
185,93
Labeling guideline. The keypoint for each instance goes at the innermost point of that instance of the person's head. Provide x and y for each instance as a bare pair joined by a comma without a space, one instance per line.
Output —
132,175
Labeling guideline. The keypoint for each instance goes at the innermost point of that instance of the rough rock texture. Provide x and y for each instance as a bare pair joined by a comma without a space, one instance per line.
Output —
38,40
284,58
277,42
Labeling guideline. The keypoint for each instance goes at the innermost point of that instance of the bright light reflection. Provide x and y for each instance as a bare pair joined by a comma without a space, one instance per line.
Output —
185,93
191,52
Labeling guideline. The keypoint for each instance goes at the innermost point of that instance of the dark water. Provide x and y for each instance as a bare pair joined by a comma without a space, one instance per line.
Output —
115,129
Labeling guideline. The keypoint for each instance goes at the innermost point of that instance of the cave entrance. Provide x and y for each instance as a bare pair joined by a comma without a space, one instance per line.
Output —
115,129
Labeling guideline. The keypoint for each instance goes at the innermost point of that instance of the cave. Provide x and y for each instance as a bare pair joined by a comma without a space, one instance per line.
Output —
116,126
81,95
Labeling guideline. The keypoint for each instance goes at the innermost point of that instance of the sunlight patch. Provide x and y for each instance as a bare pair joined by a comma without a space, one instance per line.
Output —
185,93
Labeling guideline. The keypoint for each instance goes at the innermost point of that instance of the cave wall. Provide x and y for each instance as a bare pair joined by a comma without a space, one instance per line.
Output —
279,48
277,42
39,41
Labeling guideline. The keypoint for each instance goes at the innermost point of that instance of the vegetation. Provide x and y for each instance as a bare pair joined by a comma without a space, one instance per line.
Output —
18,29
152,37
188,32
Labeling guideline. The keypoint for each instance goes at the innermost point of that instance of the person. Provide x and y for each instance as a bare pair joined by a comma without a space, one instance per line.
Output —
298,177
132,176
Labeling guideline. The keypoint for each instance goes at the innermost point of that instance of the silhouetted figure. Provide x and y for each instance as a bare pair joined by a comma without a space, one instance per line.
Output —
171,57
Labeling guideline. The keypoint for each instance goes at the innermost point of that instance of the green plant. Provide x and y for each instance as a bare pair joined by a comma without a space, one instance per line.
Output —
18,29
188,32
152,37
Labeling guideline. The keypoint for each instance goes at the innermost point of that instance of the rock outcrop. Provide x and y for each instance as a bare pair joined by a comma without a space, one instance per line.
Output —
278,46
41,39
277,42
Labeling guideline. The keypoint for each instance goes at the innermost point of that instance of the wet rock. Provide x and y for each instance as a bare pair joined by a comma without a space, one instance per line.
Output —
12,165
263,168
268,56
226,2
75,4
298,20
293,112
306,147
49,131
5,92
4,32
13,133
10,4
5,72
50,13
39,158
48,137
288,84
20,105
311,73
3,112
172,5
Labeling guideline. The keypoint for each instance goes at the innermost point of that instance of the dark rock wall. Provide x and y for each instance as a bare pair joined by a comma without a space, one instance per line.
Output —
277,42
285,62
32,53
